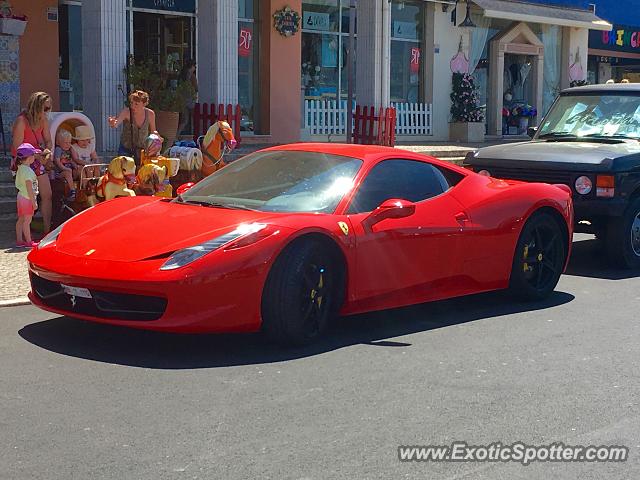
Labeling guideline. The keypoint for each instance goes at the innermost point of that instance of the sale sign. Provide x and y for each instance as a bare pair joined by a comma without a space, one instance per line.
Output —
414,64
245,42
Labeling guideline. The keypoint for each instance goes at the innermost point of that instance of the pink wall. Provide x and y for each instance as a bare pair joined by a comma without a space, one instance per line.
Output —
284,78
38,50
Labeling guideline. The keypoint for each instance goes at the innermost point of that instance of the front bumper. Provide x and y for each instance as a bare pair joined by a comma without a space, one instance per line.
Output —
586,209
181,301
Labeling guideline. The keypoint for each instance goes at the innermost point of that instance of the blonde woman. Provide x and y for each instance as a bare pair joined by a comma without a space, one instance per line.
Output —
32,127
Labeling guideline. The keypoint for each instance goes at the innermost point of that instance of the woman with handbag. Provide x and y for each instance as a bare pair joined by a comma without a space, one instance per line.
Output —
32,126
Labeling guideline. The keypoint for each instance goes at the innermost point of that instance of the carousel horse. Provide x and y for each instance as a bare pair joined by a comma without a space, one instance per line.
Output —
151,180
218,141
114,183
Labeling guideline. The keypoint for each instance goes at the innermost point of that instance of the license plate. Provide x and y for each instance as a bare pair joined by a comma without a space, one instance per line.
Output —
76,291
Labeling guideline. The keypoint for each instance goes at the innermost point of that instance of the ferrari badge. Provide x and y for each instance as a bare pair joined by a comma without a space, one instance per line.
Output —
344,227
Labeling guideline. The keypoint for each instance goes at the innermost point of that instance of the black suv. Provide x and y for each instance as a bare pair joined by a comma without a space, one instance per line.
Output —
590,141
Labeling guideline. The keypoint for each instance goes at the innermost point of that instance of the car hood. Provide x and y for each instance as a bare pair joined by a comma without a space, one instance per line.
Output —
136,228
583,152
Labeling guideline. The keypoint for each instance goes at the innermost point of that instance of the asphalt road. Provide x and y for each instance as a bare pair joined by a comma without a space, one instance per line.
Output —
85,401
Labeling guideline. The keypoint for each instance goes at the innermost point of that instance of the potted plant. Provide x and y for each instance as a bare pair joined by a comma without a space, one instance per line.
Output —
467,118
167,98
521,113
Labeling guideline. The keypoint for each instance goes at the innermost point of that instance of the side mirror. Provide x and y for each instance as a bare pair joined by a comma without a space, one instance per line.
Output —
392,208
184,187
531,131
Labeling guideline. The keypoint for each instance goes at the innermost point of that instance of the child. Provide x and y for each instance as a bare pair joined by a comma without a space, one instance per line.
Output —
84,151
62,157
27,185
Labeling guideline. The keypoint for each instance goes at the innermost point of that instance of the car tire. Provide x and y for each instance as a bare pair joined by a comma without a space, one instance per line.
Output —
539,258
623,237
299,298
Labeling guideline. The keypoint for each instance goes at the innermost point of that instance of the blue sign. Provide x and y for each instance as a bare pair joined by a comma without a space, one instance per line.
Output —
185,6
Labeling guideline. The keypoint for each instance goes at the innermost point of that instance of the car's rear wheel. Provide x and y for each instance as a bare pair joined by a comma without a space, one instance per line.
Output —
623,237
539,258
299,298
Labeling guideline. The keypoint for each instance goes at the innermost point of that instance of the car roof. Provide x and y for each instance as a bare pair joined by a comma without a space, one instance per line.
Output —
345,149
606,88
367,153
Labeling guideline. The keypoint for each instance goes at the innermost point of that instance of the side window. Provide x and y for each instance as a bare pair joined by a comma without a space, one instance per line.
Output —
405,179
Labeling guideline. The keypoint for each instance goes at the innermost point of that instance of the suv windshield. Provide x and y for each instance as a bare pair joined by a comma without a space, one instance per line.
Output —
593,114
278,181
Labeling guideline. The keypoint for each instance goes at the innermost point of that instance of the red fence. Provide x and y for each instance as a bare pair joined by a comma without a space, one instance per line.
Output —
372,129
205,115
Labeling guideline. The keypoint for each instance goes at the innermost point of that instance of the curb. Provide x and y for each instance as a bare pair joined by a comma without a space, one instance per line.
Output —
14,302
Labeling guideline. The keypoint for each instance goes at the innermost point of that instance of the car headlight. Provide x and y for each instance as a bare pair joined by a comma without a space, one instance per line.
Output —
484,173
583,185
187,255
50,237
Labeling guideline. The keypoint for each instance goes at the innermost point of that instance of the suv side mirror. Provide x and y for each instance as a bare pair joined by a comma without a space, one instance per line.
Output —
392,208
531,131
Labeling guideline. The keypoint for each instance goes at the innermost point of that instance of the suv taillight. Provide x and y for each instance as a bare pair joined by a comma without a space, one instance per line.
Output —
605,186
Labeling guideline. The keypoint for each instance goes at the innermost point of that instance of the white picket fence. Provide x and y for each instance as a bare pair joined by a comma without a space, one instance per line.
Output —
413,118
327,117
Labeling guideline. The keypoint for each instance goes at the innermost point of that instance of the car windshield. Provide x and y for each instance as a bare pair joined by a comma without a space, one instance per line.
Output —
593,115
278,181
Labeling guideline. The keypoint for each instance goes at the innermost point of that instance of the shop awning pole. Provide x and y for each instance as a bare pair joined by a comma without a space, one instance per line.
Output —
350,70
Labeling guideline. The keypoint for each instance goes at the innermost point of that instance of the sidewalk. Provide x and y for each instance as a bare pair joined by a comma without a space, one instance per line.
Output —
14,278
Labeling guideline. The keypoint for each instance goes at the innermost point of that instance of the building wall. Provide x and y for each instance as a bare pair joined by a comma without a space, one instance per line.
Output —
38,50
447,38
284,85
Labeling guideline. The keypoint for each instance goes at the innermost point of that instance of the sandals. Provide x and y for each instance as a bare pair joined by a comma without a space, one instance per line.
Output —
27,244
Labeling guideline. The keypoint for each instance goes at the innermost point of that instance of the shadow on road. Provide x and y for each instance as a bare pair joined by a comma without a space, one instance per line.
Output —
123,346
589,259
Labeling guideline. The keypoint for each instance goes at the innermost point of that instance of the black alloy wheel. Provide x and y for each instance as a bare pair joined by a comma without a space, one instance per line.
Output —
539,258
299,298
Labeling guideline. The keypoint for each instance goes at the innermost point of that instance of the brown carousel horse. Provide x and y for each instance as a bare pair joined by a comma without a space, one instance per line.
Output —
218,141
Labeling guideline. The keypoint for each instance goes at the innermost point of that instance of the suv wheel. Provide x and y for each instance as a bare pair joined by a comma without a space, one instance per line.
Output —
623,237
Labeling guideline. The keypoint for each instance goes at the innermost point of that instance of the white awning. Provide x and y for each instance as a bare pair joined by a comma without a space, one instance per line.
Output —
536,13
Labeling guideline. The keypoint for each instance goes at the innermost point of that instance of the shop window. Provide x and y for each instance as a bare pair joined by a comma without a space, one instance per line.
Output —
70,44
165,40
407,36
325,40
248,93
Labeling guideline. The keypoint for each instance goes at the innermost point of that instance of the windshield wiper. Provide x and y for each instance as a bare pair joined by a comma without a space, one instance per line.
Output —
556,135
204,203
615,136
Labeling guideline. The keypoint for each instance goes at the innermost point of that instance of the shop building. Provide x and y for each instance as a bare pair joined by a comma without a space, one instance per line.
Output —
294,87
615,54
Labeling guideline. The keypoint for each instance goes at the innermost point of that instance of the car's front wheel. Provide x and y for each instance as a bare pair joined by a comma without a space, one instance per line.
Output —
539,258
299,298
623,237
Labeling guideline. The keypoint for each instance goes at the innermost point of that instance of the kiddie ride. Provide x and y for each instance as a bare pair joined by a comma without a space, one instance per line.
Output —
157,175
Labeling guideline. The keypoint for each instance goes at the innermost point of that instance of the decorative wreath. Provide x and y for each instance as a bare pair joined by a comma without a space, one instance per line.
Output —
286,21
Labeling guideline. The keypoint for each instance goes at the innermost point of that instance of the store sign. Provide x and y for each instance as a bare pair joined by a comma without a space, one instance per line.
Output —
414,64
405,30
245,42
186,6
620,39
316,21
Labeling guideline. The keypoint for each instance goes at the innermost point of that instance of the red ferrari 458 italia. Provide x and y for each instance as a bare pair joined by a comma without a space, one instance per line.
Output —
286,238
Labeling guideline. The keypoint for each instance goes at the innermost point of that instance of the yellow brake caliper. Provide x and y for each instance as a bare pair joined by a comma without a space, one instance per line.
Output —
314,292
525,265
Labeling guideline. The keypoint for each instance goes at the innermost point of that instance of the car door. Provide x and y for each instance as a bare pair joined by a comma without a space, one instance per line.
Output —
405,260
